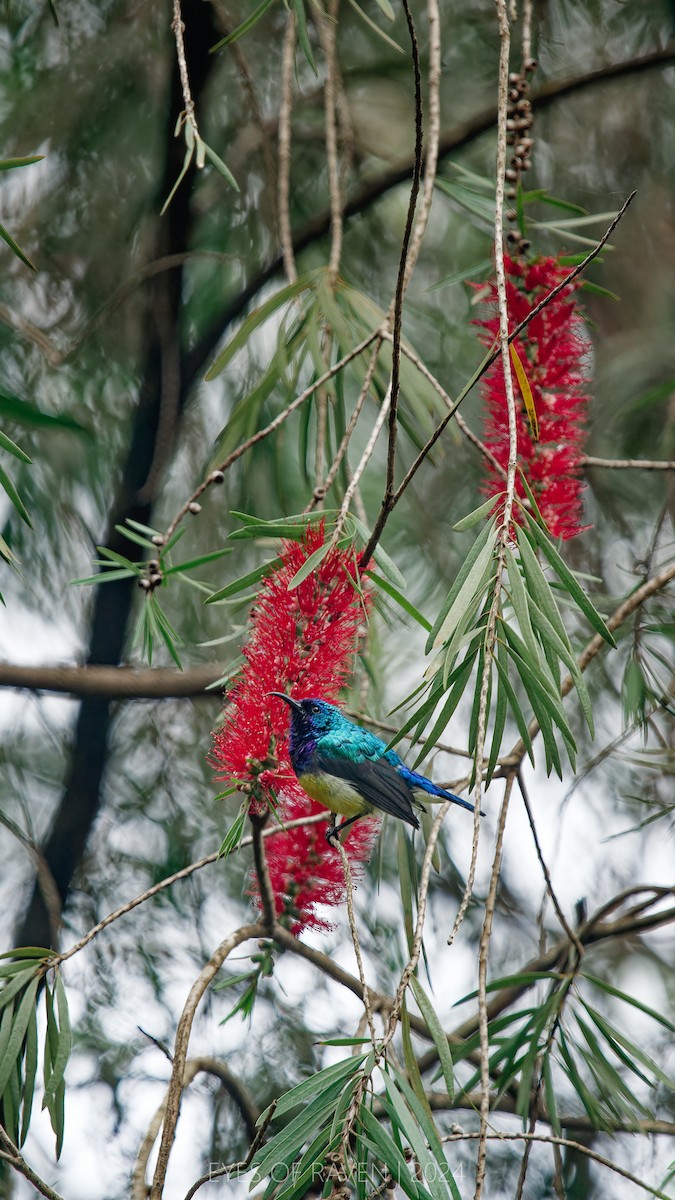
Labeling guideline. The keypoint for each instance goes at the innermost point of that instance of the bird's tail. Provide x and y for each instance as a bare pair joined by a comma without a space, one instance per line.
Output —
421,784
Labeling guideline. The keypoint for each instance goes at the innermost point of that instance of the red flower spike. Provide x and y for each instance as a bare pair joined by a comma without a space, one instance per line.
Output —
554,352
301,641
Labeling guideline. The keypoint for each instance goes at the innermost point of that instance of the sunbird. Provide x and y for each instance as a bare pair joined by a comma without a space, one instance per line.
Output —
350,770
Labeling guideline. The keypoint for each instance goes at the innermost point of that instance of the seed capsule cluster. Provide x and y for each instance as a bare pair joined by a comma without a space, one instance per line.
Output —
518,135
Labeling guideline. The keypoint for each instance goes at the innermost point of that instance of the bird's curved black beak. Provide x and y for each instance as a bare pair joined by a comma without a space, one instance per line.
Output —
291,703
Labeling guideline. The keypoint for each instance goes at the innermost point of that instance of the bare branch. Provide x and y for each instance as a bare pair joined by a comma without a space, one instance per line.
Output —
174,1094
11,1154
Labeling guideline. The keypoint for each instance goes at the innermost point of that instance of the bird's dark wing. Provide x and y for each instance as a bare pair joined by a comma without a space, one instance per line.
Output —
378,782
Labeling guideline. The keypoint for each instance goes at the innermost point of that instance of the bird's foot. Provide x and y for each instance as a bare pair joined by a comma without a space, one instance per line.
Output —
332,835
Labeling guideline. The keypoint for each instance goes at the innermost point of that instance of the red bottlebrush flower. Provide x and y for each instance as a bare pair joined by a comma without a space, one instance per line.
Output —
301,641
553,350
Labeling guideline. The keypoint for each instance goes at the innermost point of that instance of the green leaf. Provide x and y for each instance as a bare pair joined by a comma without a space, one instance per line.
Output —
419,1129
410,1060
14,496
614,991
501,708
316,1084
539,587
19,982
63,1046
303,35
401,600
381,1143
6,443
376,29
571,584
310,564
15,248
461,678
137,538
244,581
12,408
257,317
405,882
23,1014
436,1030
472,569
9,164
519,599
285,1146
189,152
514,705
220,166
30,1070
475,517
550,636
481,268
251,20
235,832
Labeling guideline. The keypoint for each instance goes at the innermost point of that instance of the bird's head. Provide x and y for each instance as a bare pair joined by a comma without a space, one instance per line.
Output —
317,717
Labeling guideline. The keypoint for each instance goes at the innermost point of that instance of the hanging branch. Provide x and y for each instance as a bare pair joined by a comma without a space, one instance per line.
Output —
284,151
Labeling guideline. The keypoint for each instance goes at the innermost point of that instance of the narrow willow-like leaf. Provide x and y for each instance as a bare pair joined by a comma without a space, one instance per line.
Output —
461,678
14,496
376,29
526,392
434,1166
475,517
286,1145
16,249
235,832
256,318
30,1071
627,1051
571,584
401,600
337,1073
550,1096
244,27
405,882
221,167
23,1012
501,709
19,982
382,1144
436,1030
517,711
614,991
593,1108
410,1060
519,599
60,1044
310,564
485,537
549,635
538,585
469,593
244,581
6,443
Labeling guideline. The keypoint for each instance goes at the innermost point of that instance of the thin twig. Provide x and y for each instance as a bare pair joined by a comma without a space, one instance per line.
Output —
547,875
349,888
258,822
14,1158
178,29
561,1141
284,152
327,26
238,1166
184,873
174,1094
243,447
626,464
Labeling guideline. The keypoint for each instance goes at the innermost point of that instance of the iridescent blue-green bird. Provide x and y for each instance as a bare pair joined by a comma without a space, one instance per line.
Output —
350,770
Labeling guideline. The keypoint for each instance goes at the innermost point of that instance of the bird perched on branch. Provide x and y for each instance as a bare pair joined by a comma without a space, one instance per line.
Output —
350,770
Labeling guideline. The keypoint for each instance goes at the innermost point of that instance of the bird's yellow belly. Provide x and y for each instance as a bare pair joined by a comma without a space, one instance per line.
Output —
336,794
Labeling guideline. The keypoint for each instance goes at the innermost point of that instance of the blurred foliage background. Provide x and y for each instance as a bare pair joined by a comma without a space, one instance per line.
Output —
103,352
